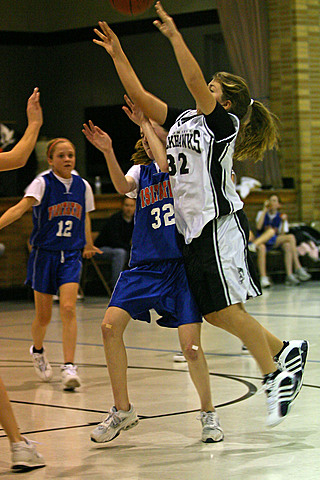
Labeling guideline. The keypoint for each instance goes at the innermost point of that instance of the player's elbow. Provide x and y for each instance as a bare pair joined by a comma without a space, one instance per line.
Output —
122,190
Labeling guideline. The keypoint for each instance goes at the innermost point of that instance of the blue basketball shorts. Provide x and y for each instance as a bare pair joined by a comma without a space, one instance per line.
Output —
162,286
49,269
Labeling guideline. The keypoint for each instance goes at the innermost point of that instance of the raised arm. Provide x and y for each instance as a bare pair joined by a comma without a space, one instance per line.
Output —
151,106
189,67
18,156
261,217
157,147
103,142
16,212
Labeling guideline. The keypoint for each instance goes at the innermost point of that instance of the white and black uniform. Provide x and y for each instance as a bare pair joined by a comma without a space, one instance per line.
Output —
208,209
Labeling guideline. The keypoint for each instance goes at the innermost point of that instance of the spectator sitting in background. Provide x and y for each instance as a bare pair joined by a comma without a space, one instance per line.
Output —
258,245
270,217
114,240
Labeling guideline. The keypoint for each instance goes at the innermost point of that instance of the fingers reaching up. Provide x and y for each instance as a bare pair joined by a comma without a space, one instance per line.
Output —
133,111
108,39
166,25
34,110
97,137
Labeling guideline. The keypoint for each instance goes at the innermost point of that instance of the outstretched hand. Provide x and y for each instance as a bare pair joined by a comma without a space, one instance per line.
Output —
109,39
90,250
97,137
34,110
134,112
166,26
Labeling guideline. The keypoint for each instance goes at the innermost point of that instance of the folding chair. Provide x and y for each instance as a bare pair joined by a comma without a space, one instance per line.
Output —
97,270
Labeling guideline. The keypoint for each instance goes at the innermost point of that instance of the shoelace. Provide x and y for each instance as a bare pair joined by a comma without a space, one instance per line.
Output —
208,418
22,443
28,441
70,369
112,419
40,361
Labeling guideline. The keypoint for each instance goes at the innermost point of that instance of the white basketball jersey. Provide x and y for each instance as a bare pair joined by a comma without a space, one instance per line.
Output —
200,173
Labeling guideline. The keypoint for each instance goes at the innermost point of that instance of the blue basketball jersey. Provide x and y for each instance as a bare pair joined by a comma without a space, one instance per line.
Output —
59,220
155,236
272,221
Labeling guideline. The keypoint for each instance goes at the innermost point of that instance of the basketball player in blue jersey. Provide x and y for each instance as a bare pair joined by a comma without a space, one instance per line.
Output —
156,279
201,145
61,234
24,454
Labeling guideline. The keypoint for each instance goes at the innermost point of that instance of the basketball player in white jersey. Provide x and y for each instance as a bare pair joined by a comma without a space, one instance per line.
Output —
201,145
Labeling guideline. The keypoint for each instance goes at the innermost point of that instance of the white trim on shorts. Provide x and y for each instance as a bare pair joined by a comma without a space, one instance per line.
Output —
230,247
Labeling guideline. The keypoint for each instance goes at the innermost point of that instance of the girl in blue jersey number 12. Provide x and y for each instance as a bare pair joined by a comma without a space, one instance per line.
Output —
156,279
201,144
61,204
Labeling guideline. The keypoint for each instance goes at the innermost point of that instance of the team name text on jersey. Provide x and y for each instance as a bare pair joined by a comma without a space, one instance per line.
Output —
189,140
72,209
153,193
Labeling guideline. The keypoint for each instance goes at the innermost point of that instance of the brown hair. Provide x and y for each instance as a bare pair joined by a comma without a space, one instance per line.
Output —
259,130
139,157
53,143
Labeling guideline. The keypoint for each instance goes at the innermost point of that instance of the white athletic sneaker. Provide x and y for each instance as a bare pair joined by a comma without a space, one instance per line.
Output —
293,359
41,365
25,456
279,387
265,282
179,357
302,274
69,376
111,426
211,430
292,281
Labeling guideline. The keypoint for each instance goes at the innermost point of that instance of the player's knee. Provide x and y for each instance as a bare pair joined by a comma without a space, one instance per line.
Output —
292,238
107,330
287,247
191,352
43,321
67,309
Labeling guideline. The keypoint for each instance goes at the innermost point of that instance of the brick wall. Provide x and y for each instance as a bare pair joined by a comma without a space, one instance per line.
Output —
295,95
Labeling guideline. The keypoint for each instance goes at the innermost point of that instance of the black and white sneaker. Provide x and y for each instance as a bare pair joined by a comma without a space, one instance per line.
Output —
293,359
279,388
